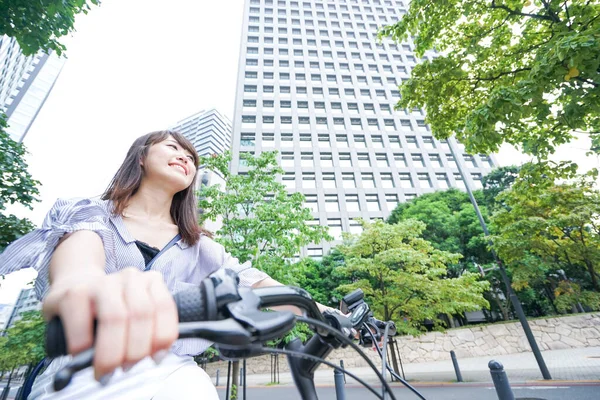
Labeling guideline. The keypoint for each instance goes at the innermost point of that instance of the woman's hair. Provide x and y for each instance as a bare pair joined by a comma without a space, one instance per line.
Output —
126,182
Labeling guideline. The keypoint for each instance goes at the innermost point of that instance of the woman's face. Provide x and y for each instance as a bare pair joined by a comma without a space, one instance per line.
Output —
170,164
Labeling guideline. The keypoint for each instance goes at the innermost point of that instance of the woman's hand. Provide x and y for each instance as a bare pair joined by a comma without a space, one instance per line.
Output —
135,312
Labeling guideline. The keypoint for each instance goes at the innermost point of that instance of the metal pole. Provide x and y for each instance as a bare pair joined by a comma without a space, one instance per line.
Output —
500,381
342,366
228,380
217,380
513,297
456,369
244,375
338,378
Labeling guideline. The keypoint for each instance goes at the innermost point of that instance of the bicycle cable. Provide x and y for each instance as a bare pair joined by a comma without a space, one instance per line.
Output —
329,363
349,342
393,373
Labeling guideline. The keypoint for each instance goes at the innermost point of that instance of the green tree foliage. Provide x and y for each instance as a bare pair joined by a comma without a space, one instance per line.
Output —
24,342
405,278
261,222
37,25
321,277
506,71
16,187
551,225
497,181
450,225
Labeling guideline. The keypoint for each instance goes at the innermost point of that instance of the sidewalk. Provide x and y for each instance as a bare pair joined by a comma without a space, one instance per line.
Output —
570,364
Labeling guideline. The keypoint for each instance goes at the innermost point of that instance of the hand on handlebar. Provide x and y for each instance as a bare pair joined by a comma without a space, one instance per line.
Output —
135,313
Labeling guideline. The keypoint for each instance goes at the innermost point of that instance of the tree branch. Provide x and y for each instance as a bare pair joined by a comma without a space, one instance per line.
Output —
493,78
580,79
517,13
551,12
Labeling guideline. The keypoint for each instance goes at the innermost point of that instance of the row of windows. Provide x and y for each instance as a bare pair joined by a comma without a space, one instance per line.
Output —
298,52
310,32
339,123
382,16
332,6
332,92
350,34
328,65
381,160
347,180
298,76
368,108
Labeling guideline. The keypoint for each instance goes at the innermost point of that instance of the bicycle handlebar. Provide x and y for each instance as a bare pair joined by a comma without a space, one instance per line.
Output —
217,310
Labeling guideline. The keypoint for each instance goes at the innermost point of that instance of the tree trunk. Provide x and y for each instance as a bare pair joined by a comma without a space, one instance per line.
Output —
592,272
235,377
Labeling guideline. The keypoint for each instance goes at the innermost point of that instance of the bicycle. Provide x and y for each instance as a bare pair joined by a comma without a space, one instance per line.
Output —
233,318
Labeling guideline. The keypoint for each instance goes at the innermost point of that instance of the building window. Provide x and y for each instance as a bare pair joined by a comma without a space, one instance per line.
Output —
307,160
289,180
424,180
451,160
436,161
345,160
355,227
405,181
359,141
368,181
412,142
326,159
372,202
305,140
352,204
348,181
469,161
417,160
477,182
248,119
311,202
363,160
287,160
391,200
247,139
335,228
459,181
331,203
442,181
308,180
249,103
341,140
428,142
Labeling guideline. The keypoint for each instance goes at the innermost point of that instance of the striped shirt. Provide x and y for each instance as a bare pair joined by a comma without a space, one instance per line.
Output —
182,266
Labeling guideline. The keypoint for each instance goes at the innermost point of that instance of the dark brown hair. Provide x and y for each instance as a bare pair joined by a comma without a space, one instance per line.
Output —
126,182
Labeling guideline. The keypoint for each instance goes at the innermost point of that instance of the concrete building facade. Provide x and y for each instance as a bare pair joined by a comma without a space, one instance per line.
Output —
25,83
315,84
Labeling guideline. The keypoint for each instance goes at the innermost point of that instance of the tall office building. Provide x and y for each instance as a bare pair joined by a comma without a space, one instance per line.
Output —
27,301
5,312
210,133
25,83
315,84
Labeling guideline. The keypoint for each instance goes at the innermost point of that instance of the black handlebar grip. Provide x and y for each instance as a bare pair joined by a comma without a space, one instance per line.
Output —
351,298
191,305
56,341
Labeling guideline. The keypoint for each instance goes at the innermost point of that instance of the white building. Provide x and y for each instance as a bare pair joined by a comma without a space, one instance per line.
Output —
5,311
315,84
25,83
210,133
27,301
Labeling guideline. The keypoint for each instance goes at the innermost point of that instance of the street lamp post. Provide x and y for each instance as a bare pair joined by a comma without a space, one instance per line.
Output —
511,294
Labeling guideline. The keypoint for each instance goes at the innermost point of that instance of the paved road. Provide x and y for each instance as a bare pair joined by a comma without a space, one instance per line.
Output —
450,392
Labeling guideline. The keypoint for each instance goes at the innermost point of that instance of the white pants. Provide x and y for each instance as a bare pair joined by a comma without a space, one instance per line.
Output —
175,377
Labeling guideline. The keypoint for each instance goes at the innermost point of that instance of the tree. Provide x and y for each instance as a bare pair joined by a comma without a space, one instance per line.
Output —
497,181
549,231
16,186
450,225
505,71
261,221
405,277
37,25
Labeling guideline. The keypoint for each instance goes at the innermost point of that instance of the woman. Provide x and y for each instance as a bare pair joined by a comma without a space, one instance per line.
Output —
119,260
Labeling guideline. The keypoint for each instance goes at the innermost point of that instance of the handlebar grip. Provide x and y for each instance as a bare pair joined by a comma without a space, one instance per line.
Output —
192,305
56,342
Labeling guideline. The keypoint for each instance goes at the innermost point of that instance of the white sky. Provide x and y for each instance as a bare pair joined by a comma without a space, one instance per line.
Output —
136,66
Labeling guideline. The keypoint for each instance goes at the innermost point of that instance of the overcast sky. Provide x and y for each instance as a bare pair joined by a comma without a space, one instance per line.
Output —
133,67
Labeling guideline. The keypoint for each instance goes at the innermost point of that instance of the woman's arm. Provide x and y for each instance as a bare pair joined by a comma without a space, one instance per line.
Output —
267,282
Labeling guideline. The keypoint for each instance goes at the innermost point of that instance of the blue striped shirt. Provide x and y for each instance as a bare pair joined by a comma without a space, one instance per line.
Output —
181,266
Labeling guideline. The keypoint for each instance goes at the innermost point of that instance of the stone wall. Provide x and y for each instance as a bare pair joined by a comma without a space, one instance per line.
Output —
574,331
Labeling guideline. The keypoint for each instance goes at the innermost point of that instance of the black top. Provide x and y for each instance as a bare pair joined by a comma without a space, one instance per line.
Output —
147,251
